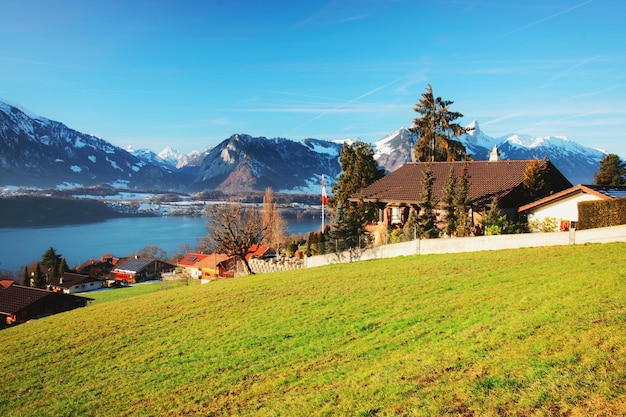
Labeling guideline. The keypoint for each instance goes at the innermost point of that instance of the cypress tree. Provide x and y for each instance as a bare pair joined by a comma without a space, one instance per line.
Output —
39,279
426,218
449,203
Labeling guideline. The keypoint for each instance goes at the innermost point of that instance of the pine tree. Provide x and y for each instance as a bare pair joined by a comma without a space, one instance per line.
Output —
435,128
63,267
448,201
426,218
359,169
612,171
50,261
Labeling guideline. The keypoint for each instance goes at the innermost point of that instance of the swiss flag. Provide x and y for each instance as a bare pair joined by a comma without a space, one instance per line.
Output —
324,196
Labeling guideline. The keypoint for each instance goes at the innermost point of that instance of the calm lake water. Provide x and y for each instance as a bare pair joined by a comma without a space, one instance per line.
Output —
121,237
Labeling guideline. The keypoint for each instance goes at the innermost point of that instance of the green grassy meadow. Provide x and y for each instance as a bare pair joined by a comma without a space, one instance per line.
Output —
528,332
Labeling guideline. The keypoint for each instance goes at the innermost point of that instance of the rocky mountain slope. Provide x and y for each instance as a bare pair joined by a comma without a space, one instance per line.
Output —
38,152
243,162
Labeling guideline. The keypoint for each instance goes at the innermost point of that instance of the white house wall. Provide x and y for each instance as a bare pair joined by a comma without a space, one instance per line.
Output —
563,209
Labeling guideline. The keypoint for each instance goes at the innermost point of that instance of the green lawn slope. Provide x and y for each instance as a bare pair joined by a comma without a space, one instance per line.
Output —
530,332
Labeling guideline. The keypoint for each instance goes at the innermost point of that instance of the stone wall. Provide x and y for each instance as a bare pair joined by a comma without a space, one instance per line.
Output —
260,266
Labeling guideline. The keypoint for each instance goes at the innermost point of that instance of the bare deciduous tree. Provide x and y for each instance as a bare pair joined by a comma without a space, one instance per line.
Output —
233,230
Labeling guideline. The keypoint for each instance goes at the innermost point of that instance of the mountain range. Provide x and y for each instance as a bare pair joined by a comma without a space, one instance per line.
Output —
38,152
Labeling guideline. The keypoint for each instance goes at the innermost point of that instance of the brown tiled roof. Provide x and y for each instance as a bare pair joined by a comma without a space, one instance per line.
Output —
602,192
17,297
487,179
70,279
212,260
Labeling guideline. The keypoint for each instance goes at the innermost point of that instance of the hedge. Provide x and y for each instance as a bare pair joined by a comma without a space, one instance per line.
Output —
603,213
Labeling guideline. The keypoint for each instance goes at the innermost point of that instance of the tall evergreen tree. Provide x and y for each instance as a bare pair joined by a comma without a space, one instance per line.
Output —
448,200
63,267
50,260
463,204
426,218
612,171
26,278
359,169
435,128
39,279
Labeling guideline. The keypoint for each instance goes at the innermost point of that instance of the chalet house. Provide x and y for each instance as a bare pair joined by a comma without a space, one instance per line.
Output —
190,264
71,283
400,191
98,267
215,265
563,206
137,270
19,304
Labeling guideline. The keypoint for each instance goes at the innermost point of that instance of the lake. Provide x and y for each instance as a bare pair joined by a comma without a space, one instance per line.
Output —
120,237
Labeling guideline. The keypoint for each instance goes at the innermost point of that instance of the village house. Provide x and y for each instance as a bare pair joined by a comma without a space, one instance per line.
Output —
401,191
216,265
137,270
71,283
190,264
18,304
563,206
98,267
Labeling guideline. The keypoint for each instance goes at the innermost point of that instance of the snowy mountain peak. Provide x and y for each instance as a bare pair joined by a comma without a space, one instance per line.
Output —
170,155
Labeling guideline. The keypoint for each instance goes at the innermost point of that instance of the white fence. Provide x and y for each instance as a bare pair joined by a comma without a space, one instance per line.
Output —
472,244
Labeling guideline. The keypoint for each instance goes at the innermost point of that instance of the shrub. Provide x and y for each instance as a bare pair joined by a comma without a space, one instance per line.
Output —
592,214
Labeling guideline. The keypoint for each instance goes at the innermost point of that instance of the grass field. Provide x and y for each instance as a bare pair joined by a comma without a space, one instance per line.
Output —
529,332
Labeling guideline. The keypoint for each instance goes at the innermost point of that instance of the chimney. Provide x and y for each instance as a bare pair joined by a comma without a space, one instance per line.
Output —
494,156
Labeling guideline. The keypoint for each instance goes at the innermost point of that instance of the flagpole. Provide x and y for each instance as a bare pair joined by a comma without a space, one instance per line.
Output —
324,199
323,192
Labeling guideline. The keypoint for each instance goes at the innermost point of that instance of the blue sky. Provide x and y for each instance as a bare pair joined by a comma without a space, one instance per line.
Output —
191,73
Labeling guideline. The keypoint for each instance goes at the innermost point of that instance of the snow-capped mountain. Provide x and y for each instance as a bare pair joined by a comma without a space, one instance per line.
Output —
38,152
172,160
35,151
243,162
576,162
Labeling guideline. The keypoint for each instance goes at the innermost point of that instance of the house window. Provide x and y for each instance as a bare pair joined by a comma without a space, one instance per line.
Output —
396,215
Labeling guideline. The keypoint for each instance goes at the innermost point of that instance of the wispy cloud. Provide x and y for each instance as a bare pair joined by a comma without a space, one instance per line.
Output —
354,100
545,19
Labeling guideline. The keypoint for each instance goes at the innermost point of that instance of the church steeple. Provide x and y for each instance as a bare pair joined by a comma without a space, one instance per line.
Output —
494,156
